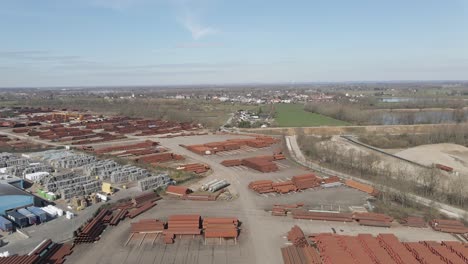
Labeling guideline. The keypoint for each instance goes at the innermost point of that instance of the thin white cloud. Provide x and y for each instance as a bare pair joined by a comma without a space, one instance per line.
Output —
194,26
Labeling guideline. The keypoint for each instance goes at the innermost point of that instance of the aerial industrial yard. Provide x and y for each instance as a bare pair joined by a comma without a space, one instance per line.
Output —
120,190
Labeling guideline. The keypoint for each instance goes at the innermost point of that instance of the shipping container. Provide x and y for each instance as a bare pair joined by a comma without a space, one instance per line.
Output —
5,224
39,213
18,219
32,218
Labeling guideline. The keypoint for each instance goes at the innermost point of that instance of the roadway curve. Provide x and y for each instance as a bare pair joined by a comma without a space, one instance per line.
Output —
298,156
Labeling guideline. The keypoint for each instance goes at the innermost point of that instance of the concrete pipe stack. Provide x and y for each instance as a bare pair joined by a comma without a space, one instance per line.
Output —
218,186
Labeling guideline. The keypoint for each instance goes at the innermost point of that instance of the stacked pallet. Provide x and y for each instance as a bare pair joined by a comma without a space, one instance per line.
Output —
300,255
306,181
220,227
413,221
147,226
183,225
92,230
177,190
449,226
263,186
195,168
340,217
361,187
231,163
297,237
373,219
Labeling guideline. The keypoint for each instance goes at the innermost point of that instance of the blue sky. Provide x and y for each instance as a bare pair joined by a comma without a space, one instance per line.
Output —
159,42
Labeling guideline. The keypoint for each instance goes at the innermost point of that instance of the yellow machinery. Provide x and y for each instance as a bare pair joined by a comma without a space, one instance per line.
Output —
107,188
79,203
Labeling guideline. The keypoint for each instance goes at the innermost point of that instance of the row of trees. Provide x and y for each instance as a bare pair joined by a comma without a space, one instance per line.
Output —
427,182
362,115
457,134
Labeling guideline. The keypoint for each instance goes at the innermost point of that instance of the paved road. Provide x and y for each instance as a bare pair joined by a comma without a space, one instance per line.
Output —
239,182
298,156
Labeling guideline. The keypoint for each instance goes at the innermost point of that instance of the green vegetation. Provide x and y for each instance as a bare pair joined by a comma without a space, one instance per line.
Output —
294,115
211,114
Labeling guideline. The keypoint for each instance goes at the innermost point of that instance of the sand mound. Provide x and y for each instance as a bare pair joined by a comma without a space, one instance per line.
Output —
452,155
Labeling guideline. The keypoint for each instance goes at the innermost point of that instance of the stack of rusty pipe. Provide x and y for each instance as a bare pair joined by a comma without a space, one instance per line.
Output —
183,225
220,227
373,219
145,197
147,226
449,226
340,217
414,221
92,230
297,237
306,181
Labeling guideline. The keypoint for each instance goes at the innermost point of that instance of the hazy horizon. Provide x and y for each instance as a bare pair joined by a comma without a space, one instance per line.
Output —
96,43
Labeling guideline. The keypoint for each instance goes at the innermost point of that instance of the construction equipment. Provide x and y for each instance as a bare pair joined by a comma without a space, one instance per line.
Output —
107,188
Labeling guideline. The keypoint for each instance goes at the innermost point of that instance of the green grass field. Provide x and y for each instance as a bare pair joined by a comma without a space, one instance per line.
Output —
293,115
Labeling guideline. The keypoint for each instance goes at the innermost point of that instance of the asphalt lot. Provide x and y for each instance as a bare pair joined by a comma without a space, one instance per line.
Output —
261,237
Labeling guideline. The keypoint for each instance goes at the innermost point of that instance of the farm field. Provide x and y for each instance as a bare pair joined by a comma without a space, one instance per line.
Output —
294,115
